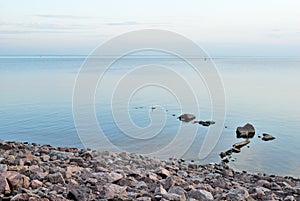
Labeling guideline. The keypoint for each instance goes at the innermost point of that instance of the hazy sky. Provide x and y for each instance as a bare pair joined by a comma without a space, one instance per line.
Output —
223,28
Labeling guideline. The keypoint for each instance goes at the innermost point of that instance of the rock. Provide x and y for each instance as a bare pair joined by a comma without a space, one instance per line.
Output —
237,194
112,191
247,131
267,137
113,177
79,161
79,194
235,150
163,172
200,195
26,197
36,184
187,117
289,198
71,169
239,145
177,190
222,154
56,178
174,197
206,123
160,190
16,180
143,199
3,168
141,185
45,158
4,187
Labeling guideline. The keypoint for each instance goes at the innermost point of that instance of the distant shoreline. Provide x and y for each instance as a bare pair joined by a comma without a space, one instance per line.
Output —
43,172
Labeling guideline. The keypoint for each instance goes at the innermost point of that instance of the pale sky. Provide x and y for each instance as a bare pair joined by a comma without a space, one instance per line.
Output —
222,28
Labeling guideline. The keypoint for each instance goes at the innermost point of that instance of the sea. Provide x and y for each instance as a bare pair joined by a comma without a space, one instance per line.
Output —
134,105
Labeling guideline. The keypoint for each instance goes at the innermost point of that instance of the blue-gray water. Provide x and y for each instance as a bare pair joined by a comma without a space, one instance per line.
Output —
36,106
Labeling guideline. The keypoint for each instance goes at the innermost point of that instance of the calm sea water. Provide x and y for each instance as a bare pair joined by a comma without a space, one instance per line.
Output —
36,106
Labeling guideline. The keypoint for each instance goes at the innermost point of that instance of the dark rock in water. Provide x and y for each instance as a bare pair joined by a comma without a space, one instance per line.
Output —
267,137
235,150
226,160
247,131
222,154
206,123
239,145
173,115
186,117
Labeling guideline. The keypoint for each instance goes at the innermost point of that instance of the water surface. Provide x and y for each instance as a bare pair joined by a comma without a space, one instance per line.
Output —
36,106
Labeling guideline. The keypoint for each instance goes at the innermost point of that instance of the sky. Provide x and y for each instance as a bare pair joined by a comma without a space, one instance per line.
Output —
222,28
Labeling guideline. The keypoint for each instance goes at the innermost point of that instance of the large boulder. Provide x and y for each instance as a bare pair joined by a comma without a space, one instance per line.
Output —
247,131
186,117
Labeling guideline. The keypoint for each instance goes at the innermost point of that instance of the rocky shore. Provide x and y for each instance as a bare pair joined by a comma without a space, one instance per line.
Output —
33,172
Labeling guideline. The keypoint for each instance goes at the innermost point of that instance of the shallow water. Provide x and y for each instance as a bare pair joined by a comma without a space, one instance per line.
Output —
36,106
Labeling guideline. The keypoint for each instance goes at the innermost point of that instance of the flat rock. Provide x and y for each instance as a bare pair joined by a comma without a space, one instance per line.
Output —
239,145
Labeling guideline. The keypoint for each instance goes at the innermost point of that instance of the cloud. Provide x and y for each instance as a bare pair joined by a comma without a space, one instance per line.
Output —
128,23
31,31
63,16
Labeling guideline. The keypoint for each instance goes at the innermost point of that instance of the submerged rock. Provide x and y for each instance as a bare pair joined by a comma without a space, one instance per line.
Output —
267,137
187,117
247,131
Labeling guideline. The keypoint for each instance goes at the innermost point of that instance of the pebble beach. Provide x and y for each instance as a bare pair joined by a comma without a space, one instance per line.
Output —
29,171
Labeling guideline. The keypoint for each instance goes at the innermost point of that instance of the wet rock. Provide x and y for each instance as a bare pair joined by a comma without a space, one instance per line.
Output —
200,195
235,149
239,145
267,137
187,117
206,123
246,131
222,154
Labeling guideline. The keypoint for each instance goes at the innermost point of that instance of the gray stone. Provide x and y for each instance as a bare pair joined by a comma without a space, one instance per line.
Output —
200,195
177,190
237,194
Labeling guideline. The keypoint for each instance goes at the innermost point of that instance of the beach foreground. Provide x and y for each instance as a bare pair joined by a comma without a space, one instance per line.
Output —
34,172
